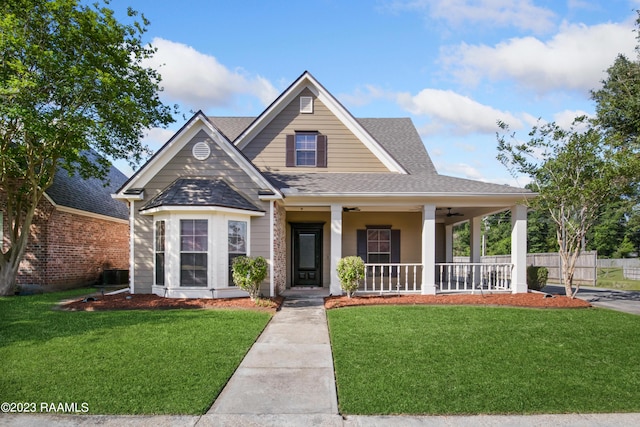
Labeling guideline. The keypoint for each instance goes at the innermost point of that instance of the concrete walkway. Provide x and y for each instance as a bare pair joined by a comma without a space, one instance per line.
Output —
287,379
287,376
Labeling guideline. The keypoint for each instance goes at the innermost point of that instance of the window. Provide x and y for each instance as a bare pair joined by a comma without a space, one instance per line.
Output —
378,246
305,149
159,249
193,252
237,243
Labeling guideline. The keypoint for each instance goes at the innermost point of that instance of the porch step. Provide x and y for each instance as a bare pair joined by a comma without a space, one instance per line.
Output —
310,292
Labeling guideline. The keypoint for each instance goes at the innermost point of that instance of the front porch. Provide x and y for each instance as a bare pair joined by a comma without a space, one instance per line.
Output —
406,248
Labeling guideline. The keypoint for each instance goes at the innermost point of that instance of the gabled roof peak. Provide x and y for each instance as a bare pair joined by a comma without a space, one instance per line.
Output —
308,81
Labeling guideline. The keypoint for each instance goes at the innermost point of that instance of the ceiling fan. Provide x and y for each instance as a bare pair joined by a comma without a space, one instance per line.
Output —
450,214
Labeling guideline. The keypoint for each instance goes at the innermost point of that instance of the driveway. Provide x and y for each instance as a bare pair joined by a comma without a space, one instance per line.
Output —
626,301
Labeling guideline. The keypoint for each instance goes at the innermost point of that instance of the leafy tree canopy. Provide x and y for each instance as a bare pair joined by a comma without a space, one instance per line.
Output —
71,79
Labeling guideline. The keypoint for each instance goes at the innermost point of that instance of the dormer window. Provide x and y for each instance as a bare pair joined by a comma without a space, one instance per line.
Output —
306,149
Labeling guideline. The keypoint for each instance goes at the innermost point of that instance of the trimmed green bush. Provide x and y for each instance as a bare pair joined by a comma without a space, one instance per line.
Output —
350,271
248,274
537,277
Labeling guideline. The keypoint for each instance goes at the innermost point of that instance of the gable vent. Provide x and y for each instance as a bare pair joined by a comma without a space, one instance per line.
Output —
201,151
306,104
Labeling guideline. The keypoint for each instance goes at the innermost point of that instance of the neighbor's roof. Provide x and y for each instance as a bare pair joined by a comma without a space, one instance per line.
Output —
89,194
396,135
200,192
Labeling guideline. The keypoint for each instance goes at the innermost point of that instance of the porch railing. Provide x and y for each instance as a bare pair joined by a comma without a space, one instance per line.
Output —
392,278
473,277
450,277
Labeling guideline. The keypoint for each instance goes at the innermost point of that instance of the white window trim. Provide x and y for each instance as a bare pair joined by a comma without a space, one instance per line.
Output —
217,252
315,150
228,218
155,251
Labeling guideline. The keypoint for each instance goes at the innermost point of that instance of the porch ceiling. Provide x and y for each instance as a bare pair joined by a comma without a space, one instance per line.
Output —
459,213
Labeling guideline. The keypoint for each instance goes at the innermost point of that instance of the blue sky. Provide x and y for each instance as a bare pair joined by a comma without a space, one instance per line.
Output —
454,67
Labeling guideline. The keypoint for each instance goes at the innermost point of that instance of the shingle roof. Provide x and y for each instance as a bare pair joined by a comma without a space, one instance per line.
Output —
200,192
375,183
400,138
89,194
232,127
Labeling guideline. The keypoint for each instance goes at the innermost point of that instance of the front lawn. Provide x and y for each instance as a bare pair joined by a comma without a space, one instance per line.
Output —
120,362
485,360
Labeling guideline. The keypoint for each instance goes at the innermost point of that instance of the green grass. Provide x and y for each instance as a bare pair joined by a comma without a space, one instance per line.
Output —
485,360
121,362
613,278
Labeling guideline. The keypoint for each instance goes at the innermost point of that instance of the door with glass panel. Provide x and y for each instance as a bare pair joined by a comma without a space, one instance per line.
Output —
307,254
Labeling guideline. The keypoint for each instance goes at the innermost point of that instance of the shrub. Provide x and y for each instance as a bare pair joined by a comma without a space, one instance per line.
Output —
537,277
350,271
248,274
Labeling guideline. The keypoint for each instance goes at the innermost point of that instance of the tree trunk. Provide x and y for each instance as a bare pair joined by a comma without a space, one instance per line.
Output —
8,275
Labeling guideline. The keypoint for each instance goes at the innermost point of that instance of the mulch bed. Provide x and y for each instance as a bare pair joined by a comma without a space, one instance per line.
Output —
532,299
126,301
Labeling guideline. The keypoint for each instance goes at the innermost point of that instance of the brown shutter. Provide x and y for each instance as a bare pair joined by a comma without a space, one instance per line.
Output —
321,151
361,236
291,151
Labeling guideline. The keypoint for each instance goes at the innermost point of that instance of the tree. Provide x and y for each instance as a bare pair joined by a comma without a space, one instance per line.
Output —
618,101
71,79
575,173
608,233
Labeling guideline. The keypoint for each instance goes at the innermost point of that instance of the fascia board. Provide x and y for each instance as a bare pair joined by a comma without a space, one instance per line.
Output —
197,123
199,209
164,154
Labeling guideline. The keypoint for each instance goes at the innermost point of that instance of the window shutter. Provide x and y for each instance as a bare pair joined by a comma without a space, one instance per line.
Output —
321,151
395,251
291,151
362,244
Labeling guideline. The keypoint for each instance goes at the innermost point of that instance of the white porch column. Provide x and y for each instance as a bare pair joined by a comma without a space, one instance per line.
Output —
475,232
336,248
519,249
429,250
448,238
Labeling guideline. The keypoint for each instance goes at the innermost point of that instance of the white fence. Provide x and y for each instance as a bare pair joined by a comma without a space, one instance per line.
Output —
392,278
585,273
473,277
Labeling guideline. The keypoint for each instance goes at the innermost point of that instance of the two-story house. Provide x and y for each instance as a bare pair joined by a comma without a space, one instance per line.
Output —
304,184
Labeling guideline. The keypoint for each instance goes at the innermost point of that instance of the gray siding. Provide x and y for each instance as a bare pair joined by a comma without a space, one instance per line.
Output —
219,164
345,153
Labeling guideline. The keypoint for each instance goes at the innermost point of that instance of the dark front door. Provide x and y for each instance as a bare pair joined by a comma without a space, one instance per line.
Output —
307,254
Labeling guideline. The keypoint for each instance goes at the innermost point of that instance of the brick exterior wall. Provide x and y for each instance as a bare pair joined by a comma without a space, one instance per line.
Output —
69,250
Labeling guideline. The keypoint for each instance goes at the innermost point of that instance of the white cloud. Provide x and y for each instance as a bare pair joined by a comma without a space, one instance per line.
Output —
157,137
459,113
199,81
575,58
461,170
565,118
364,95
522,14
